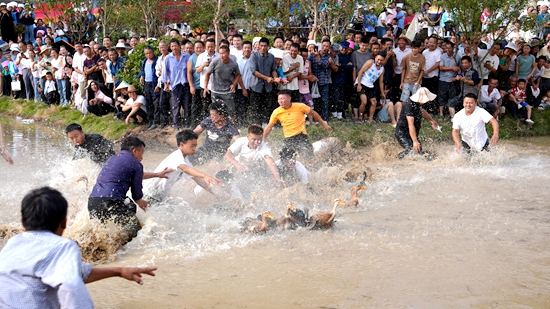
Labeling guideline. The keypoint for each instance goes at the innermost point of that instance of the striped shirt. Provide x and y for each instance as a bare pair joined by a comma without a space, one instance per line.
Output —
41,270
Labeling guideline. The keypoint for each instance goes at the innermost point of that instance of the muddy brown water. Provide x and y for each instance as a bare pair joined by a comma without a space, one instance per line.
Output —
447,233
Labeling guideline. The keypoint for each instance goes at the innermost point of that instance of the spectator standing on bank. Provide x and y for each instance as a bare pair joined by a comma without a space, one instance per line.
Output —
148,78
175,81
198,110
262,66
162,110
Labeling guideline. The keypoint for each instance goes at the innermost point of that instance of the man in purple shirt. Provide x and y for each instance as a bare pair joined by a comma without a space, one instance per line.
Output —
175,81
121,172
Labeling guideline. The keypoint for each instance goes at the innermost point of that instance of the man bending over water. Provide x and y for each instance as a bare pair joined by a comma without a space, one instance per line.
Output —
97,147
41,269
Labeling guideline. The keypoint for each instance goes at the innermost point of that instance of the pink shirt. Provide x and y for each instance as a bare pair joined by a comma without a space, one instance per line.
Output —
303,84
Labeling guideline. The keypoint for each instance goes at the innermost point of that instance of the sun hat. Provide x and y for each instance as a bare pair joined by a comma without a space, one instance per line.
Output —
344,44
15,47
131,88
121,86
309,42
423,95
511,46
404,37
43,73
255,39
2,4
399,5
277,53
44,48
121,45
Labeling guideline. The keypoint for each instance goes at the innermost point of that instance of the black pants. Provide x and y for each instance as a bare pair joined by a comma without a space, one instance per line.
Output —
432,83
468,150
241,108
180,99
122,212
259,108
150,101
404,139
100,108
300,143
199,107
162,109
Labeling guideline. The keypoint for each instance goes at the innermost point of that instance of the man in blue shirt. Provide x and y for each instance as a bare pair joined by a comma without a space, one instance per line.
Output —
116,65
149,79
369,22
262,66
175,81
121,172
320,62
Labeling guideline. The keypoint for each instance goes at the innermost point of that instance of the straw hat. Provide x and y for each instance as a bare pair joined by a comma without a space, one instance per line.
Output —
44,49
131,88
121,86
422,96
122,45
404,37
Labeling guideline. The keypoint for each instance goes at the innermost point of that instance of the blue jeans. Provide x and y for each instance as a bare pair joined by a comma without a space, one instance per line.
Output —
36,85
408,90
323,91
29,34
62,89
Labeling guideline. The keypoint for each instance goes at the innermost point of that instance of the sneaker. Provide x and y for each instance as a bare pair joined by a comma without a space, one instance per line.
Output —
339,115
529,121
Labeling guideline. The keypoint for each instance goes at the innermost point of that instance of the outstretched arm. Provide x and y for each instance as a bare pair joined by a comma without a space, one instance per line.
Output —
317,117
494,138
128,273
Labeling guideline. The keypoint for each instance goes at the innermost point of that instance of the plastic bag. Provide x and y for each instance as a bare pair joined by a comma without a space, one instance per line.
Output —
16,85
315,91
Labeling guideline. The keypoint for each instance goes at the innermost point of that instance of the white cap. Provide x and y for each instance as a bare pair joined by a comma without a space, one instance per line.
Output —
21,5
59,32
2,3
255,39
309,42
277,53
399,5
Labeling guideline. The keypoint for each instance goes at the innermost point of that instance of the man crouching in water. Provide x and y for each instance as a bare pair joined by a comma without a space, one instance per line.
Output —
121,172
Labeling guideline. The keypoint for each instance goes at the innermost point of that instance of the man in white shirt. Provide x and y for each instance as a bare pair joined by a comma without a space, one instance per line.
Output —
490,98
201,67
248,153
401,51
41,269
159,188
236,49
488,59
470,123
431,73
78,65
293,66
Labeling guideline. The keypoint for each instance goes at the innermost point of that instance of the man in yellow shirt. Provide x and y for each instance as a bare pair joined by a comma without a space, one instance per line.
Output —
292,118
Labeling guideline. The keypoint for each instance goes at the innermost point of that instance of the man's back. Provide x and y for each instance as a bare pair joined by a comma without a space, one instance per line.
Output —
96,146
41,270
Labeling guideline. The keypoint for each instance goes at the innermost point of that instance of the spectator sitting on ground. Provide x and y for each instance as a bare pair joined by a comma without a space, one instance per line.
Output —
134,108
519,97
220,133
98,102
388,110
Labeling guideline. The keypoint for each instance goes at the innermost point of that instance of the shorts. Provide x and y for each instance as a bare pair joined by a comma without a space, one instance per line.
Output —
306,99
369,92
408,90
523,104
383,115
446,92
226,98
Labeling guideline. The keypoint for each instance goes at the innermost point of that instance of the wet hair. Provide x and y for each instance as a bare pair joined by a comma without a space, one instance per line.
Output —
256,130
72,127
285,92
471,95
220,108
467,58
416,44
130,143
522,80
186,135
287,153
43,209
225,175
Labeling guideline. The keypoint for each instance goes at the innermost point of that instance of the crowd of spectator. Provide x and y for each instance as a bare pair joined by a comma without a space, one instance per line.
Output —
364,78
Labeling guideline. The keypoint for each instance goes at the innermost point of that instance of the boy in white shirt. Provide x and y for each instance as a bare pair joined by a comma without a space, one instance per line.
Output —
159,188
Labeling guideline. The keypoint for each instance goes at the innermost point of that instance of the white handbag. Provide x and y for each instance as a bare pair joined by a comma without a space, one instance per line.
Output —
315,91
16,85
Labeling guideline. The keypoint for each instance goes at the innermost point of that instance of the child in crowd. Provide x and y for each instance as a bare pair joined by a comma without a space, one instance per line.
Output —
545,103
49,93
387,109
519,96
303,83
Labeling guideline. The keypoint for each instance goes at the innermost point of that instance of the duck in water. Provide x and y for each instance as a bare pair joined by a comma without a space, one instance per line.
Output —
325,219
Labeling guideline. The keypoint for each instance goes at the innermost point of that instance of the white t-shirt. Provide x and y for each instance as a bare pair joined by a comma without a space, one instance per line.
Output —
159,188
58,64
200,60
78,62
472,128
288,61
486,97
108,75
399,54
492,59
235,52
245,155
139,99
432,57
301,172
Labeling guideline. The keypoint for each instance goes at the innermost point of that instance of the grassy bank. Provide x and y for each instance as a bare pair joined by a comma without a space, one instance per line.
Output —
358,135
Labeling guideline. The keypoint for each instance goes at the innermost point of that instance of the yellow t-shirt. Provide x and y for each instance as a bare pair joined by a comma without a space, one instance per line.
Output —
292,119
